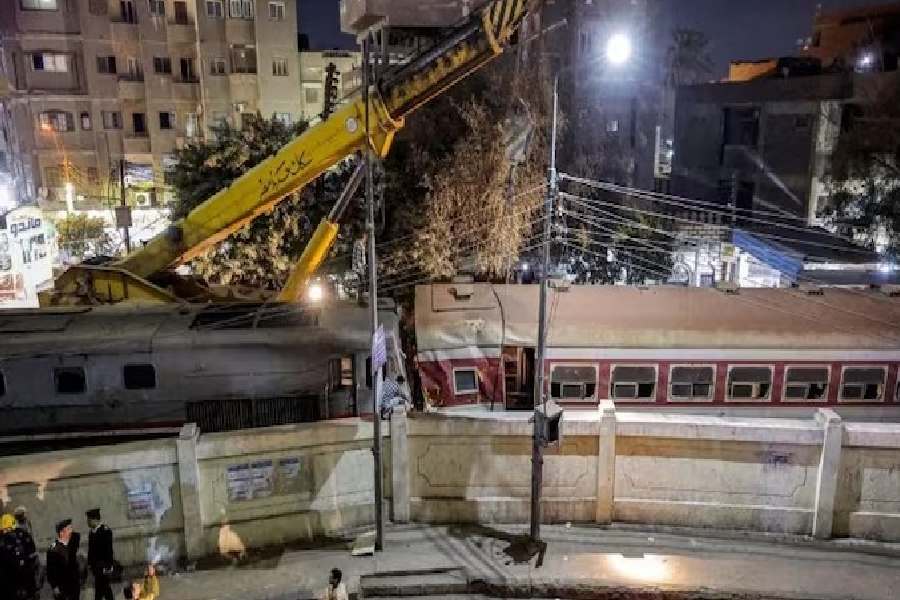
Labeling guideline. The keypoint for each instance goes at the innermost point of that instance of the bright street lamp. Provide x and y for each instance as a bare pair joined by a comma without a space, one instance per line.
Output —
618,49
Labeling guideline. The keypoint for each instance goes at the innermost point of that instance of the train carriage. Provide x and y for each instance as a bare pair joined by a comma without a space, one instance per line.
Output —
127,367
757,352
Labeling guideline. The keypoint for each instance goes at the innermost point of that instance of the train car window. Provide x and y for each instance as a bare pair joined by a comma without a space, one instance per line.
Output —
69,380
806,383
2,385
633,383
691,383
749,383
340,372
139,377
465,381
573,382
863,384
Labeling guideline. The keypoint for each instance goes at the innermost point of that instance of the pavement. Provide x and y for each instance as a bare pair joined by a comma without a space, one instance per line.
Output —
578,559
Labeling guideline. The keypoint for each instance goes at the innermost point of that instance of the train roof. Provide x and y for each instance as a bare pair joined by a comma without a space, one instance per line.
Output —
126,327
454,315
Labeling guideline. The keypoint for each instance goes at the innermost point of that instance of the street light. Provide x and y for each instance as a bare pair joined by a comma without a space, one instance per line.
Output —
618,52
618,49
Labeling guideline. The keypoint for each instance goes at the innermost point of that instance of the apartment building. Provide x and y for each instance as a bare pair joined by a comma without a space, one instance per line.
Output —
96,81
313,72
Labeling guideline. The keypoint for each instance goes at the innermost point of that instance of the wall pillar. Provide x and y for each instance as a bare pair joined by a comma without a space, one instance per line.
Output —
189,479
399,465
829,468
606,463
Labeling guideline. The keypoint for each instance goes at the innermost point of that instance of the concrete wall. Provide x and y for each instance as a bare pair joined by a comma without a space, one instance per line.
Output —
223,493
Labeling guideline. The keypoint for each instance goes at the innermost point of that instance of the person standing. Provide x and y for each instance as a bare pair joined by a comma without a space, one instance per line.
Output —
8,587
336,589
21,554
100,555
62,563
392,395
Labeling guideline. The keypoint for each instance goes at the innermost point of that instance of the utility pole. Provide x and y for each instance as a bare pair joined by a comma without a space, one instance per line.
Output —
373,301
540,397
124,217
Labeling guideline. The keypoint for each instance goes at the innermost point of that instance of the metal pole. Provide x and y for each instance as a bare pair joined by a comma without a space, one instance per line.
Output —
125,233
537,445
373,305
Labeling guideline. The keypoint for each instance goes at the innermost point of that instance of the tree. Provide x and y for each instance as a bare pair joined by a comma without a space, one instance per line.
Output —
80,236
864,180
262,253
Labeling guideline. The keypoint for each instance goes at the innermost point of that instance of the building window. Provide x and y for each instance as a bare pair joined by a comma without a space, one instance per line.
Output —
276,11
53,176
127,12
158,7
312,95
106,64
50,62
191,125
69,380
806,383
135,69
111,119
139,377
241,9
612,126
749,383
181,13
162,65
187,70
284,118
692,383
465,381
139,123
573,383
863,384
217,66
243,59
93,175
633,383
279,67
57,120
340,373
85,118
166,120
38,4
214,9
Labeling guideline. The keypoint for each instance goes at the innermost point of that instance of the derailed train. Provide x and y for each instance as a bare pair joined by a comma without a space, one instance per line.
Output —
128,367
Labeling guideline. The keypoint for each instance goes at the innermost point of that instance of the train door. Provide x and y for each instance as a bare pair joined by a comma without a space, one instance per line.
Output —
341,392
518,377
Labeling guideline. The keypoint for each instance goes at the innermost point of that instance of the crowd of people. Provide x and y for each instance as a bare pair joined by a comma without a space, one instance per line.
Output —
22,576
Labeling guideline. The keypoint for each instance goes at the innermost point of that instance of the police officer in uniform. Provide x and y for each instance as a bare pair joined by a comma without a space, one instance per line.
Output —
100,555
62,563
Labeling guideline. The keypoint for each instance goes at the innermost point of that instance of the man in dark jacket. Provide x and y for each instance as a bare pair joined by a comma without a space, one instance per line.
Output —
100,555
62,563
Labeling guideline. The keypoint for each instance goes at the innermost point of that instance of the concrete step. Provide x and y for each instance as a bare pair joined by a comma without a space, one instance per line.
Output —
406,584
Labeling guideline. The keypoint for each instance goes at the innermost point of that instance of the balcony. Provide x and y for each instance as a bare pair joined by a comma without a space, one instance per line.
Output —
181,33
186,90
136,144
131,88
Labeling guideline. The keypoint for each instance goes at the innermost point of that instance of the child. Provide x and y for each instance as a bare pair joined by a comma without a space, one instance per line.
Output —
145,589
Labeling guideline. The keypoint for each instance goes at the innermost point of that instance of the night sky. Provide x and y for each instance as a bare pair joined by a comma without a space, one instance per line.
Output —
744,29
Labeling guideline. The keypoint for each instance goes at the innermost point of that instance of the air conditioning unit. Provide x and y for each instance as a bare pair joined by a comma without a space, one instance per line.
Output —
142,199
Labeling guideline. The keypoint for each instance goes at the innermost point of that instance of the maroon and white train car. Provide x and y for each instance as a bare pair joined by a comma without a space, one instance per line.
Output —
757,351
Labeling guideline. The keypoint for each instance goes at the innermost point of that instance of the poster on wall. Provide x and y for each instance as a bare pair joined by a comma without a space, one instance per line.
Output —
290,475
140,500
240,482
263,484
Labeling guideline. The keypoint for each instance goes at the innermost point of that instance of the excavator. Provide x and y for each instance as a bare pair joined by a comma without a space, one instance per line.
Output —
147,274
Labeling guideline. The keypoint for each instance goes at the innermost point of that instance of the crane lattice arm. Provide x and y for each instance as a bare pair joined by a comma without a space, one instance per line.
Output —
460,53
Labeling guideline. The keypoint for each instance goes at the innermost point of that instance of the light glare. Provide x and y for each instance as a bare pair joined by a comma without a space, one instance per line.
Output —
315,293
618,49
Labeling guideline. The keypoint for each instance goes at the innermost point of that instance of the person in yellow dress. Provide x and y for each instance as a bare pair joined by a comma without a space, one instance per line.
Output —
145,589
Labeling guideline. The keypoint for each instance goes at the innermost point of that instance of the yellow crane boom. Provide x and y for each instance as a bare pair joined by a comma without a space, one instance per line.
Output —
137,276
